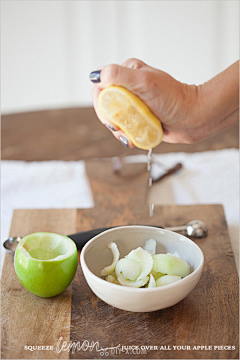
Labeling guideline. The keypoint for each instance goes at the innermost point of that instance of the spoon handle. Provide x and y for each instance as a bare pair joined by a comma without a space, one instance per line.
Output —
177,228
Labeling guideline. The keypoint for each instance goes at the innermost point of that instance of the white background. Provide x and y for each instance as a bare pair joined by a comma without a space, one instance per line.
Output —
50,47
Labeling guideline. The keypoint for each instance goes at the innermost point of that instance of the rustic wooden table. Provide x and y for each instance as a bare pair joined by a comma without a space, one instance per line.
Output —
208,317
75,134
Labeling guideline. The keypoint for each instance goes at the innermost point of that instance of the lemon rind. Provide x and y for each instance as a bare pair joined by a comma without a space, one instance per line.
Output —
141,107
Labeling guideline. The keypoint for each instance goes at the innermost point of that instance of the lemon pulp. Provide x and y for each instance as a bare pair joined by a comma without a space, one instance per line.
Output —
131,115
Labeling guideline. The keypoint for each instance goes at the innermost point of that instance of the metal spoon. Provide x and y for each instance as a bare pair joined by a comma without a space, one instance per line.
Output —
11,244
194,229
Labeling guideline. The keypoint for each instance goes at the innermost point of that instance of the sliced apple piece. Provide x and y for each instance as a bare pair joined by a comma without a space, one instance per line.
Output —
114,274
144,258
110,278
135,284
130,269
152,282
150,246
156,275
167,279
109,269
170,265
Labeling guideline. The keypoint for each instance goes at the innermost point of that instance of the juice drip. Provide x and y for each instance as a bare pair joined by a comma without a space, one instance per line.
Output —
149,165
151,208
149,158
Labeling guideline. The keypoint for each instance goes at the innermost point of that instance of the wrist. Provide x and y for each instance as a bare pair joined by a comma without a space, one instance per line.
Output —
194,120
192,101
218,100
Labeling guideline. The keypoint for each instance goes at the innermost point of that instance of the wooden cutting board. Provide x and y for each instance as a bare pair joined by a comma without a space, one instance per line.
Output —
207,317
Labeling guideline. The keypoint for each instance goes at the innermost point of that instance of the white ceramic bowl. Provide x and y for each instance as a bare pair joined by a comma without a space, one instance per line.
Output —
96,255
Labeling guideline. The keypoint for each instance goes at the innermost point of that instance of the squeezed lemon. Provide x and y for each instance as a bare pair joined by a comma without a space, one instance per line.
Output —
131,114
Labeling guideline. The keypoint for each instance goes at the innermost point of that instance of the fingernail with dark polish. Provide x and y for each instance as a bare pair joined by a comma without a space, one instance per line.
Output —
110,127
95,76
124,141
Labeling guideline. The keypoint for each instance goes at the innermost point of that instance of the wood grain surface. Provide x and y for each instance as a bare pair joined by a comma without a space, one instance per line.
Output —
28,320
206,317
76,134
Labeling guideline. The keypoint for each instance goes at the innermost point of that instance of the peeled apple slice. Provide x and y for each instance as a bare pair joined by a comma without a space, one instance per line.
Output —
152,282
109,269
167,279
156,275
150,246
130,269
114,275
136,284
111,279
170,265
144,258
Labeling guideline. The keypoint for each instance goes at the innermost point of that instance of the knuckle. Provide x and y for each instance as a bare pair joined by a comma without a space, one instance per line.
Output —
134,63
111,73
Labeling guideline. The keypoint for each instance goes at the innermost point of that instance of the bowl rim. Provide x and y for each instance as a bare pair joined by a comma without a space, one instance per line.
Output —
186,279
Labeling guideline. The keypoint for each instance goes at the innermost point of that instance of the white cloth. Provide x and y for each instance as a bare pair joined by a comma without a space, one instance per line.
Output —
210,177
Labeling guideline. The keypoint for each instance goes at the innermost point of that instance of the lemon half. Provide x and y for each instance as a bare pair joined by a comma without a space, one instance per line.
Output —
131,115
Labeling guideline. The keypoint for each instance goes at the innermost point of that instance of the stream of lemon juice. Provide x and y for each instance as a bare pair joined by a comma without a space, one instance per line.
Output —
149,166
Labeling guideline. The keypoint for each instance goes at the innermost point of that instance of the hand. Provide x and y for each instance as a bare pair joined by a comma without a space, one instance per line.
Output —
188,113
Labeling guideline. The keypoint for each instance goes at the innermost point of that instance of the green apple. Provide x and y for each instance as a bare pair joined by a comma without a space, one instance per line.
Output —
45,263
